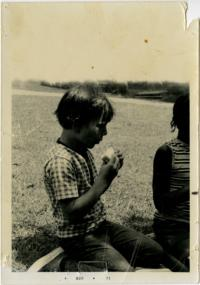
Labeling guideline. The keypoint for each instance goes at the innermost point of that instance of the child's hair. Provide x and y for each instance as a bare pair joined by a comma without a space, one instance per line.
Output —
180,112
82,104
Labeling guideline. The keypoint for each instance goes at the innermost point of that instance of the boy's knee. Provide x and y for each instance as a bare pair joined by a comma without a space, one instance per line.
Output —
153,248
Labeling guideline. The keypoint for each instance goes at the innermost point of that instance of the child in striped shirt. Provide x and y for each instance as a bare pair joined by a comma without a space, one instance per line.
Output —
171,186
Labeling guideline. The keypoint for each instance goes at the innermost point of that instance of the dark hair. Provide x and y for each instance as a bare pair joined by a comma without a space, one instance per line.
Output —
181,111
82,104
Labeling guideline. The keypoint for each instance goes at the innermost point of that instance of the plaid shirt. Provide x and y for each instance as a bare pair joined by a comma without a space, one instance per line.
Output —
68,175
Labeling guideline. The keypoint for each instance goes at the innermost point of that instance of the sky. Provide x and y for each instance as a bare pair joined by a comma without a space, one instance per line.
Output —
193,10
98,41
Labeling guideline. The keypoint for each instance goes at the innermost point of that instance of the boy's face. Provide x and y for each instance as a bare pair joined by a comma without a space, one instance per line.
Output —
92,133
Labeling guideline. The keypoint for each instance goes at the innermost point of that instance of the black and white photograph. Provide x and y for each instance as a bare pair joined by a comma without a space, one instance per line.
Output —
100,143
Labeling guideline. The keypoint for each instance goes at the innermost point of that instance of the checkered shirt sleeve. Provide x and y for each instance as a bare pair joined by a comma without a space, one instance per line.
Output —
63,178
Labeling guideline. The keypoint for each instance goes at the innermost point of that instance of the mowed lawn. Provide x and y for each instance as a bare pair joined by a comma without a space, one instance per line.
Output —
137,130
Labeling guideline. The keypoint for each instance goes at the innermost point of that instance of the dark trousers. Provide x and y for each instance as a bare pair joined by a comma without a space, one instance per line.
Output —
115,248
174,238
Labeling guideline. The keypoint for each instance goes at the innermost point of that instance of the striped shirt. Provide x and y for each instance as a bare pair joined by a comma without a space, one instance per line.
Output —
67,175
179,179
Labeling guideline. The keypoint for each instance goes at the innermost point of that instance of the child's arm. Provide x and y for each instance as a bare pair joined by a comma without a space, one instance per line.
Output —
163,199
77,207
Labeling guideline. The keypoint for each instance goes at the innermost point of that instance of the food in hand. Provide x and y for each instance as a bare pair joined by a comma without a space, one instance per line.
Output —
108,154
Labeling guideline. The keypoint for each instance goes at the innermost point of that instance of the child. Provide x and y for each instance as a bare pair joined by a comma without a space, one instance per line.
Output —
75,188
171,186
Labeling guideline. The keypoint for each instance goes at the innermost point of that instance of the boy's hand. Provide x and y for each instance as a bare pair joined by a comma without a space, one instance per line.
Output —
120,156
110,169
110,152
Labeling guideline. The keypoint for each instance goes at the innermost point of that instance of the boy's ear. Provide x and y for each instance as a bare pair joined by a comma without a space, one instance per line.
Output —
76,125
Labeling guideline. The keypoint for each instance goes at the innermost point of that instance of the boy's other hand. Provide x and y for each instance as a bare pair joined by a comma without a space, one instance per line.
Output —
120,156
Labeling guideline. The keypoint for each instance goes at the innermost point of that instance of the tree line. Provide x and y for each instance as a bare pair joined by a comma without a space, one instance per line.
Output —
169,91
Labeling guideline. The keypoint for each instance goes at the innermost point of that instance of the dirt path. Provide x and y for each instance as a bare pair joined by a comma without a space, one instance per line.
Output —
112,98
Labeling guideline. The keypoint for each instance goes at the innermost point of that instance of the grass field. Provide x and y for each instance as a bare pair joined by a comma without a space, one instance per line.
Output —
137,129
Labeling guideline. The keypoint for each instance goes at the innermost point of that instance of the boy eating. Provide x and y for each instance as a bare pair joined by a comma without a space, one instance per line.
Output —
75,188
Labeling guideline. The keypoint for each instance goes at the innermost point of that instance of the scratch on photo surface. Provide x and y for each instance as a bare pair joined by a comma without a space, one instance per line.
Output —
19,134
118,198
129,205
184,9
135,252
6,261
